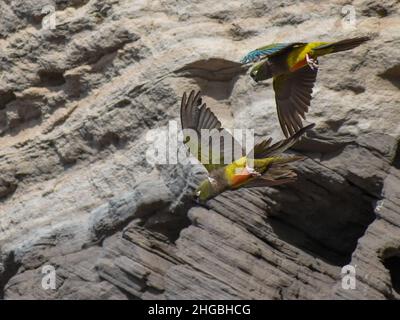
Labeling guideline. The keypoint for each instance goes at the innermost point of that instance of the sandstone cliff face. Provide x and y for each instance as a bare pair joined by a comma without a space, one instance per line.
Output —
77,193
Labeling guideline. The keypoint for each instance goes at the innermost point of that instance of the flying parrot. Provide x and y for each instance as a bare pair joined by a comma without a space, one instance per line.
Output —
293,67
263,166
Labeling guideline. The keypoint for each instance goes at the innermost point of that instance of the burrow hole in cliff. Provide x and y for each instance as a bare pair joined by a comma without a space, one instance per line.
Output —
10,269
321,217
51,78
170,225
392,264
392,75
396,161
6,97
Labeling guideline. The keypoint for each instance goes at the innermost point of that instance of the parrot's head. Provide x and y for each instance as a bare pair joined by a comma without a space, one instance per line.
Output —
205,191
261,71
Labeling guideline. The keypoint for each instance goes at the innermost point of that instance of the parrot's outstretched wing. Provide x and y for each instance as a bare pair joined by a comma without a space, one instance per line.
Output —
293,96
267,51
265,150
212,145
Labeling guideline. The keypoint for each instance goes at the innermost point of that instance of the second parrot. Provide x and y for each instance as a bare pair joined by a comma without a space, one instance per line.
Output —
293,67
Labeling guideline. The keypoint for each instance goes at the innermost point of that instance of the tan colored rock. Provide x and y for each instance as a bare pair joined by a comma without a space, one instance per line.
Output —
77,192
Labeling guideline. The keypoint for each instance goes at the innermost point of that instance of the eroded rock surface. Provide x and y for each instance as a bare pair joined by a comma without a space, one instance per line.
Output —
77,192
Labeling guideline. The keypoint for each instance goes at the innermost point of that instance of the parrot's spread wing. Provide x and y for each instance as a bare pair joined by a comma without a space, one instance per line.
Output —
267,51
293,96
265,150
212,145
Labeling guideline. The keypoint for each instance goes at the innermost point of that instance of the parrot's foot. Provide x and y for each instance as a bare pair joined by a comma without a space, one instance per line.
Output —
252,172
313,63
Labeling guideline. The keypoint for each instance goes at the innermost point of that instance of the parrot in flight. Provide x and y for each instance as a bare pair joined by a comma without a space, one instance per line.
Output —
263,166
293,67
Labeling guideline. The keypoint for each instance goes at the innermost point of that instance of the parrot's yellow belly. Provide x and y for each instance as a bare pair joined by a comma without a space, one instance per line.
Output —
237,173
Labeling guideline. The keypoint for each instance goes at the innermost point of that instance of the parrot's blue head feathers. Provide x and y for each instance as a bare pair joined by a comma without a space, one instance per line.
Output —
261,53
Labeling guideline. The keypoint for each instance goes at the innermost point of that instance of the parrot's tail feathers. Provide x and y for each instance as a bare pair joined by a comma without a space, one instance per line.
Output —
342,45
288,159
276,175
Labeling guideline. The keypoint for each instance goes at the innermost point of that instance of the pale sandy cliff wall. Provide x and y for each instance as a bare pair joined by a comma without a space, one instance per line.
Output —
76,190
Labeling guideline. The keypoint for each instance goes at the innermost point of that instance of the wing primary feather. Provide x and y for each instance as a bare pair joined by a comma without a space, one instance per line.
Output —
299,106
190,99
201,118
288,121
197,98
283,123
206,119
183,111
297,120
